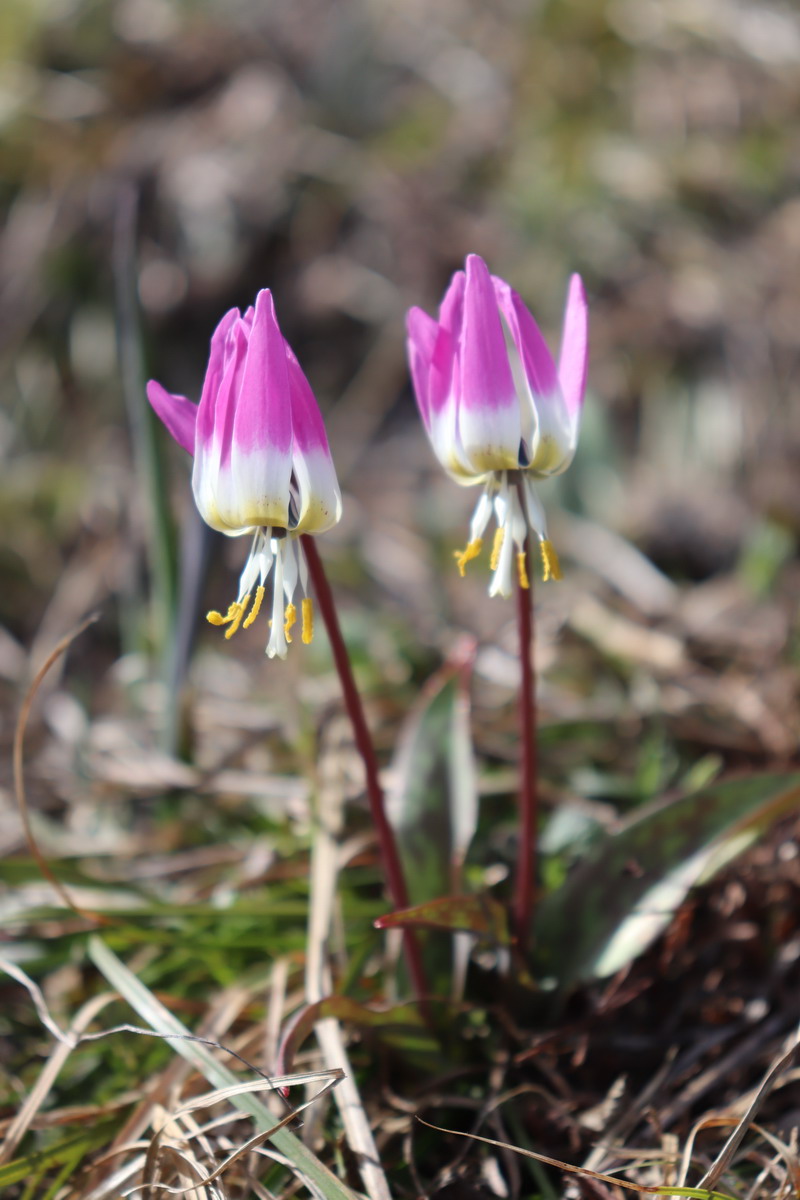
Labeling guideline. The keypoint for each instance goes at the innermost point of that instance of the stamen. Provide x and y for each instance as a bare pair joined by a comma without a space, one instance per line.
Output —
256,609
497,546
551,567
289,619
216,618
307,609
462,557
240,608
522,570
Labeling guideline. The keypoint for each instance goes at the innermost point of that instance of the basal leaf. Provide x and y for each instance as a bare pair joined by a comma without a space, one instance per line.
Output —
625,892
432,802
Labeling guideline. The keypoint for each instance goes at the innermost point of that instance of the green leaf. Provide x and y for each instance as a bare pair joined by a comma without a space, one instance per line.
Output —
627,889
68,1150
432,802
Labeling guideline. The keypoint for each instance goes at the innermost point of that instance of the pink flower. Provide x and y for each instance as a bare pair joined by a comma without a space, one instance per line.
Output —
262,465
496,408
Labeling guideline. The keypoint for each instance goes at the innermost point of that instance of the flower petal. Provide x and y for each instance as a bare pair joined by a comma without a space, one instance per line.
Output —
178,413
260,453
488,408
319,501
206,410
573,360
422,332
540,370
552,443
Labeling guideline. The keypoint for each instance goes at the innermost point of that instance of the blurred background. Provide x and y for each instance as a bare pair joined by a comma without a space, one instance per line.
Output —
162,160
173,157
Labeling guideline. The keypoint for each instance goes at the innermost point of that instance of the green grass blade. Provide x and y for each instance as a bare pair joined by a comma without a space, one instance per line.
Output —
318,1178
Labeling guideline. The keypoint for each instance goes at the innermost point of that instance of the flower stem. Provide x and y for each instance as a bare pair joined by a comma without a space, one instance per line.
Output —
524,892
390,858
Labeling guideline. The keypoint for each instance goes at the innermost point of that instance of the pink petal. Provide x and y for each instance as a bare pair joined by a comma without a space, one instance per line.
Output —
537,361
422,332
319,501
451,310
177,412
214,374
488,407
573,360
263,419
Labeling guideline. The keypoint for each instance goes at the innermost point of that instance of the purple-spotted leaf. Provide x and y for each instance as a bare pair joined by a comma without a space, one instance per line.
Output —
482,915
628,888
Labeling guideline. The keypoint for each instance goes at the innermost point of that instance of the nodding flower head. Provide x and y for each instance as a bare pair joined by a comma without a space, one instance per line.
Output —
497,409
262,465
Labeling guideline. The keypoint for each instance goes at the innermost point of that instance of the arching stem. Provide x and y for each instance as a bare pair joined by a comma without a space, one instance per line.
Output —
392,867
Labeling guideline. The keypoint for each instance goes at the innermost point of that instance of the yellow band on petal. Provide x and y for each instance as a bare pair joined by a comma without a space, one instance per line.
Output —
462,557
308,620
551,567
522,570
289,619
497,546
255,610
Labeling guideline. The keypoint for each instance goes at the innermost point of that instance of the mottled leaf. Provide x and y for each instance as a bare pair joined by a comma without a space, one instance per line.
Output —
625,892
482,915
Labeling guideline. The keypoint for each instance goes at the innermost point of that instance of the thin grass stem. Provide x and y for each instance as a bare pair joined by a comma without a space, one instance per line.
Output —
392,867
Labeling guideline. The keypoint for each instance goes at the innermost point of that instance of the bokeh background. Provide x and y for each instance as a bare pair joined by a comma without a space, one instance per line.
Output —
160,161
348,155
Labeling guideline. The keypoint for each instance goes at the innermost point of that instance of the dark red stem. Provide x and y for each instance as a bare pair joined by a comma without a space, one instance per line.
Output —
393,870
524,893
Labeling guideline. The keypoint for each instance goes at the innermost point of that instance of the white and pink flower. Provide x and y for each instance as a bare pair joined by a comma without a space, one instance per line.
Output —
497,409
262,465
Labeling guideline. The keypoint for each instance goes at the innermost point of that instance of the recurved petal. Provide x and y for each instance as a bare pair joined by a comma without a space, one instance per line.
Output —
318,500
573,359
488,407
206,413
537,361
451,310
422,332
178,413
432,357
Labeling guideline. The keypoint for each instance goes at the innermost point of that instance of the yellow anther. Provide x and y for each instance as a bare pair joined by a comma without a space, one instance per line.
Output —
462,557
522,570
307,609
289,618
497,546
215,618
239,608
256,609
551,567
